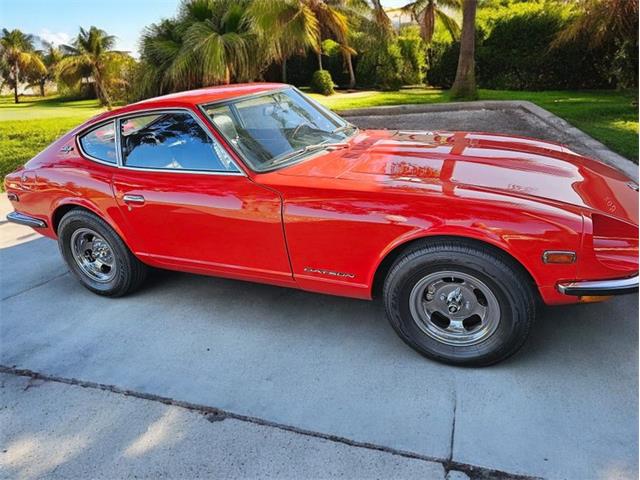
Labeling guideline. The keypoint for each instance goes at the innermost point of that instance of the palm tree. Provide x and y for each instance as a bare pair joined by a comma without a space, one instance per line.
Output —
295,25
350,11
18,56
425,12
50,56
218,40
380,18
602,20
332,21
286,27
90,54
209,42
161,46
464,86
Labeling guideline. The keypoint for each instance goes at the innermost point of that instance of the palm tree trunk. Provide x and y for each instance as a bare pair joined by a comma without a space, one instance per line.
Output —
320,59
427,27
16,77
464,86
101,91
284,70
352,75
42,87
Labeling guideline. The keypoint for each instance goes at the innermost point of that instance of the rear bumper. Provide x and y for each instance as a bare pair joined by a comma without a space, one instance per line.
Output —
618,286
27,220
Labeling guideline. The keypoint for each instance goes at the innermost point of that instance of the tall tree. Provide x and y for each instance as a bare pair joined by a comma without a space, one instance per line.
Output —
602,20
208,43
90,53
160,48
18,56
50,56
380,17
218,39
295,25
286,27
425,12
464,86
350,9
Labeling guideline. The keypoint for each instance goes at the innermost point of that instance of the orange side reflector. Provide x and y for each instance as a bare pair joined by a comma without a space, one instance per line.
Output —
594,298
553,256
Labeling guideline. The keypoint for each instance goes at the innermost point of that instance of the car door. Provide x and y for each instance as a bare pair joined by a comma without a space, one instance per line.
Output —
189,206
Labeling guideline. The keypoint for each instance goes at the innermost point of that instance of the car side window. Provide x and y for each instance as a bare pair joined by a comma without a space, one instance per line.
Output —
100,143
171,141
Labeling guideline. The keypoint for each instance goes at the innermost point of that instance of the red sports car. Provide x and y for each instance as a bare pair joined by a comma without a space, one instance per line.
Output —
460,233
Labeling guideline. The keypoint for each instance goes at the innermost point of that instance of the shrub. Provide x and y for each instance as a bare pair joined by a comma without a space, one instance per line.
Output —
442,62
333,61
413,53
321,82
380,65
518,53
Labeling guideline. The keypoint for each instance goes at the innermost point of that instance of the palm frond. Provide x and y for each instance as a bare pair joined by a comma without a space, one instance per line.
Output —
449,23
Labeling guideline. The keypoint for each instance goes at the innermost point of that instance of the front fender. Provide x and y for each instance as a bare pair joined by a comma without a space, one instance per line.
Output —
522,234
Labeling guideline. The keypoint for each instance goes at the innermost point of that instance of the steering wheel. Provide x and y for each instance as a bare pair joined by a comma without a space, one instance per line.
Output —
296,130
149,138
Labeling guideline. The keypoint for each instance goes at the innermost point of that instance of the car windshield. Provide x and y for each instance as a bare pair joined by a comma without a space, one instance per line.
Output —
278,128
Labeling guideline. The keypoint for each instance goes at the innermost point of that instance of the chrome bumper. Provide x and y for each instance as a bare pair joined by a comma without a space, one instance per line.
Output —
618,286
23,219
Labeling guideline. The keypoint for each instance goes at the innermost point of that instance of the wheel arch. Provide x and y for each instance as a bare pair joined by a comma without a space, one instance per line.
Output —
384,266
66,206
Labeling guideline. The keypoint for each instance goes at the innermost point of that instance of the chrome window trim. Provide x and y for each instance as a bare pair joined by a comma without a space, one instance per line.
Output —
90,129
118,142
218,103
117,119
224,101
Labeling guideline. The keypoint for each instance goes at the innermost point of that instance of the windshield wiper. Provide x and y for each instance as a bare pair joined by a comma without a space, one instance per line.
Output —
309,148
347,126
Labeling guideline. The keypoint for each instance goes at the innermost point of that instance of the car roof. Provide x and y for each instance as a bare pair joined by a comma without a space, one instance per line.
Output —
192,98
214,94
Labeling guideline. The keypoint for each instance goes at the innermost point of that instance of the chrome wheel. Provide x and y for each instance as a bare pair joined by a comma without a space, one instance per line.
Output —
93,255
454,308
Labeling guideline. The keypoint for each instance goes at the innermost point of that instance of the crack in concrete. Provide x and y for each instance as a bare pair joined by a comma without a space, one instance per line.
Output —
453,427
33,287
214,414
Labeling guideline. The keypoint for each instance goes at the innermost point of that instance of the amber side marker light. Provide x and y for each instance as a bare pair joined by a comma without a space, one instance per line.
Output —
558,256
595,298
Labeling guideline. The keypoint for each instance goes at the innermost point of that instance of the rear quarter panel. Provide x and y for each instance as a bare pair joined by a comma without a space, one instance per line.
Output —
59,176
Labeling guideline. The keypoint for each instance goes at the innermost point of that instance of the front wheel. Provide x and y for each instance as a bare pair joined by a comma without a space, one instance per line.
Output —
459,303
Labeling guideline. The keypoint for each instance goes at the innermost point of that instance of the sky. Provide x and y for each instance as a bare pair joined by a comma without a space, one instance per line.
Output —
58,21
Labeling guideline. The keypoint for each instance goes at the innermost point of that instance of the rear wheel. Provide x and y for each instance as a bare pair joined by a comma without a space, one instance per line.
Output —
97,255
459,303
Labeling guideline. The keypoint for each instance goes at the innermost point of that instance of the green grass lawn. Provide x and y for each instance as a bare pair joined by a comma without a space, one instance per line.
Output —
31,125
609,116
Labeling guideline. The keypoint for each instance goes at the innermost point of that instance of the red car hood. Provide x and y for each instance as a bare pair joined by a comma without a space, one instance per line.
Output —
517,166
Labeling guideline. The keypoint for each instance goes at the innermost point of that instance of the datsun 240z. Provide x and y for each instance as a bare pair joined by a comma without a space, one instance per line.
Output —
462,234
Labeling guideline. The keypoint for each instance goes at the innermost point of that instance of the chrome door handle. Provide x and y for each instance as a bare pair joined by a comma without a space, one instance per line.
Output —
137,199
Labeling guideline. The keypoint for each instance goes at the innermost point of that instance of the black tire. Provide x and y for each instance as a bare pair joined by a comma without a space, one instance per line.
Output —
504,279
129,271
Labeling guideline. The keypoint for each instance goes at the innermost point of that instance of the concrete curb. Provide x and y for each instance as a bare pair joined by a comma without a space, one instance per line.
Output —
603,153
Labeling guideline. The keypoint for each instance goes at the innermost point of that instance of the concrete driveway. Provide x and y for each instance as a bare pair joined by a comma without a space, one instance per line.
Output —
331,368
